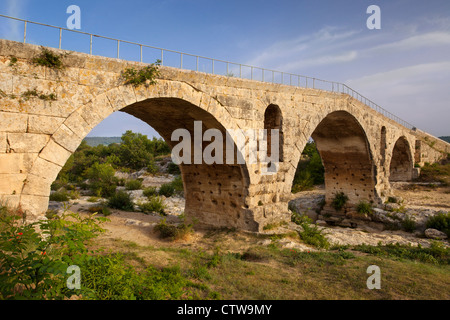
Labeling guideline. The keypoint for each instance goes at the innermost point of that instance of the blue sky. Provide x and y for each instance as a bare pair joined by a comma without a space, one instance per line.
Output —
404,67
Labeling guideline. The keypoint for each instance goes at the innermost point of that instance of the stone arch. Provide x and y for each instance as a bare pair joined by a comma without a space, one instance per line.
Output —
401,165
344,148
215,194
273,120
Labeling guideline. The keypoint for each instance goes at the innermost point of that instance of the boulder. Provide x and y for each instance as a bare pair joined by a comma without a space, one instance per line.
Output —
435,234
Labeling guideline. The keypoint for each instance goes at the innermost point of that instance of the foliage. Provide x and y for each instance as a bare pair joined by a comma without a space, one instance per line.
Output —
49,59
437,253
173,168
121,200
60,196
150,192
173,232
38,94
440,221
312,235
154,204
364,207
133,184
167,190
310,170
33,265
102,181
339,201
145,76
408,224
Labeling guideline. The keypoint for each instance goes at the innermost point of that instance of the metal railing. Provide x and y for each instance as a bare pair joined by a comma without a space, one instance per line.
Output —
244,71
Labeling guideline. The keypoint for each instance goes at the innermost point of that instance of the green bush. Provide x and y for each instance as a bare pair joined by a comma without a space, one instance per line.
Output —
339,201
364,207
440,221
167,190
121,200
173,232
155,204
172,168
102,181
33,264
145,76
312,235
134,184
150,192
60,196
49,59
408,224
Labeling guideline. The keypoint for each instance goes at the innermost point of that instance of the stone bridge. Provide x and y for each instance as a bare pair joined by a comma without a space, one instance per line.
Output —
362,150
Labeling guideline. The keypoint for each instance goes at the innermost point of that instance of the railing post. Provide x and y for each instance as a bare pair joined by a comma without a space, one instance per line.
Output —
90,45
212,66
25,33
60,36
240,71
140,49
162,57
118,49
181,61
196,64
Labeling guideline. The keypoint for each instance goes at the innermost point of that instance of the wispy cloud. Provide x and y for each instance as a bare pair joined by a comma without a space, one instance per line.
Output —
13,29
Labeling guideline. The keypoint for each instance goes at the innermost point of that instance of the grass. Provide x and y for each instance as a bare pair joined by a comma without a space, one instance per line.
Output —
49,59
271,272
339,201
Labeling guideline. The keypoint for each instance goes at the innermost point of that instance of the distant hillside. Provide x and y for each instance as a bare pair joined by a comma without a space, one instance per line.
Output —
446,138
95,141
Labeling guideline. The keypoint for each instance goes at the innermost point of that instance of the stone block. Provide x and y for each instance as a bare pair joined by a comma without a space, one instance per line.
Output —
13,122
44,124
16,162
34,206
27,142
55,153
12,183
67,138
45,169
37,186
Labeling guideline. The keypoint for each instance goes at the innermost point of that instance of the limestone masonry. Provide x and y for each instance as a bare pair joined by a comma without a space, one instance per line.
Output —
362,150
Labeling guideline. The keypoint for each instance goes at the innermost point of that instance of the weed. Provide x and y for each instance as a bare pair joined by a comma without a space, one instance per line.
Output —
440,221
134,184
173,232
60,196
155,204
49,59
364,207
339,201
146,75
408,224
150,192
312,235
121,200
37,94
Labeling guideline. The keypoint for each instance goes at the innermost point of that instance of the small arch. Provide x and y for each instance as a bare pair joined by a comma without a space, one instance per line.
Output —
401,166
273,120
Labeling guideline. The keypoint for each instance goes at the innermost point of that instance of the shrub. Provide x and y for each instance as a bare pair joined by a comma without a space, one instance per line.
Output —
167,190
60,196
48,59
173,168
312,235
146,75
408,224
440,221
174,232
102,209
33,264
134,184
121,200
364,207
150,192
155,204
339,201
101,179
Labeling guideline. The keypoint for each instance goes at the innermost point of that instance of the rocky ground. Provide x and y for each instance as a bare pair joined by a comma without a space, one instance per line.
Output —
417,202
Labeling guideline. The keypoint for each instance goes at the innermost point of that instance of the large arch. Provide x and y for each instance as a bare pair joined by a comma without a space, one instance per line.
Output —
401,165
215,194
348,162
